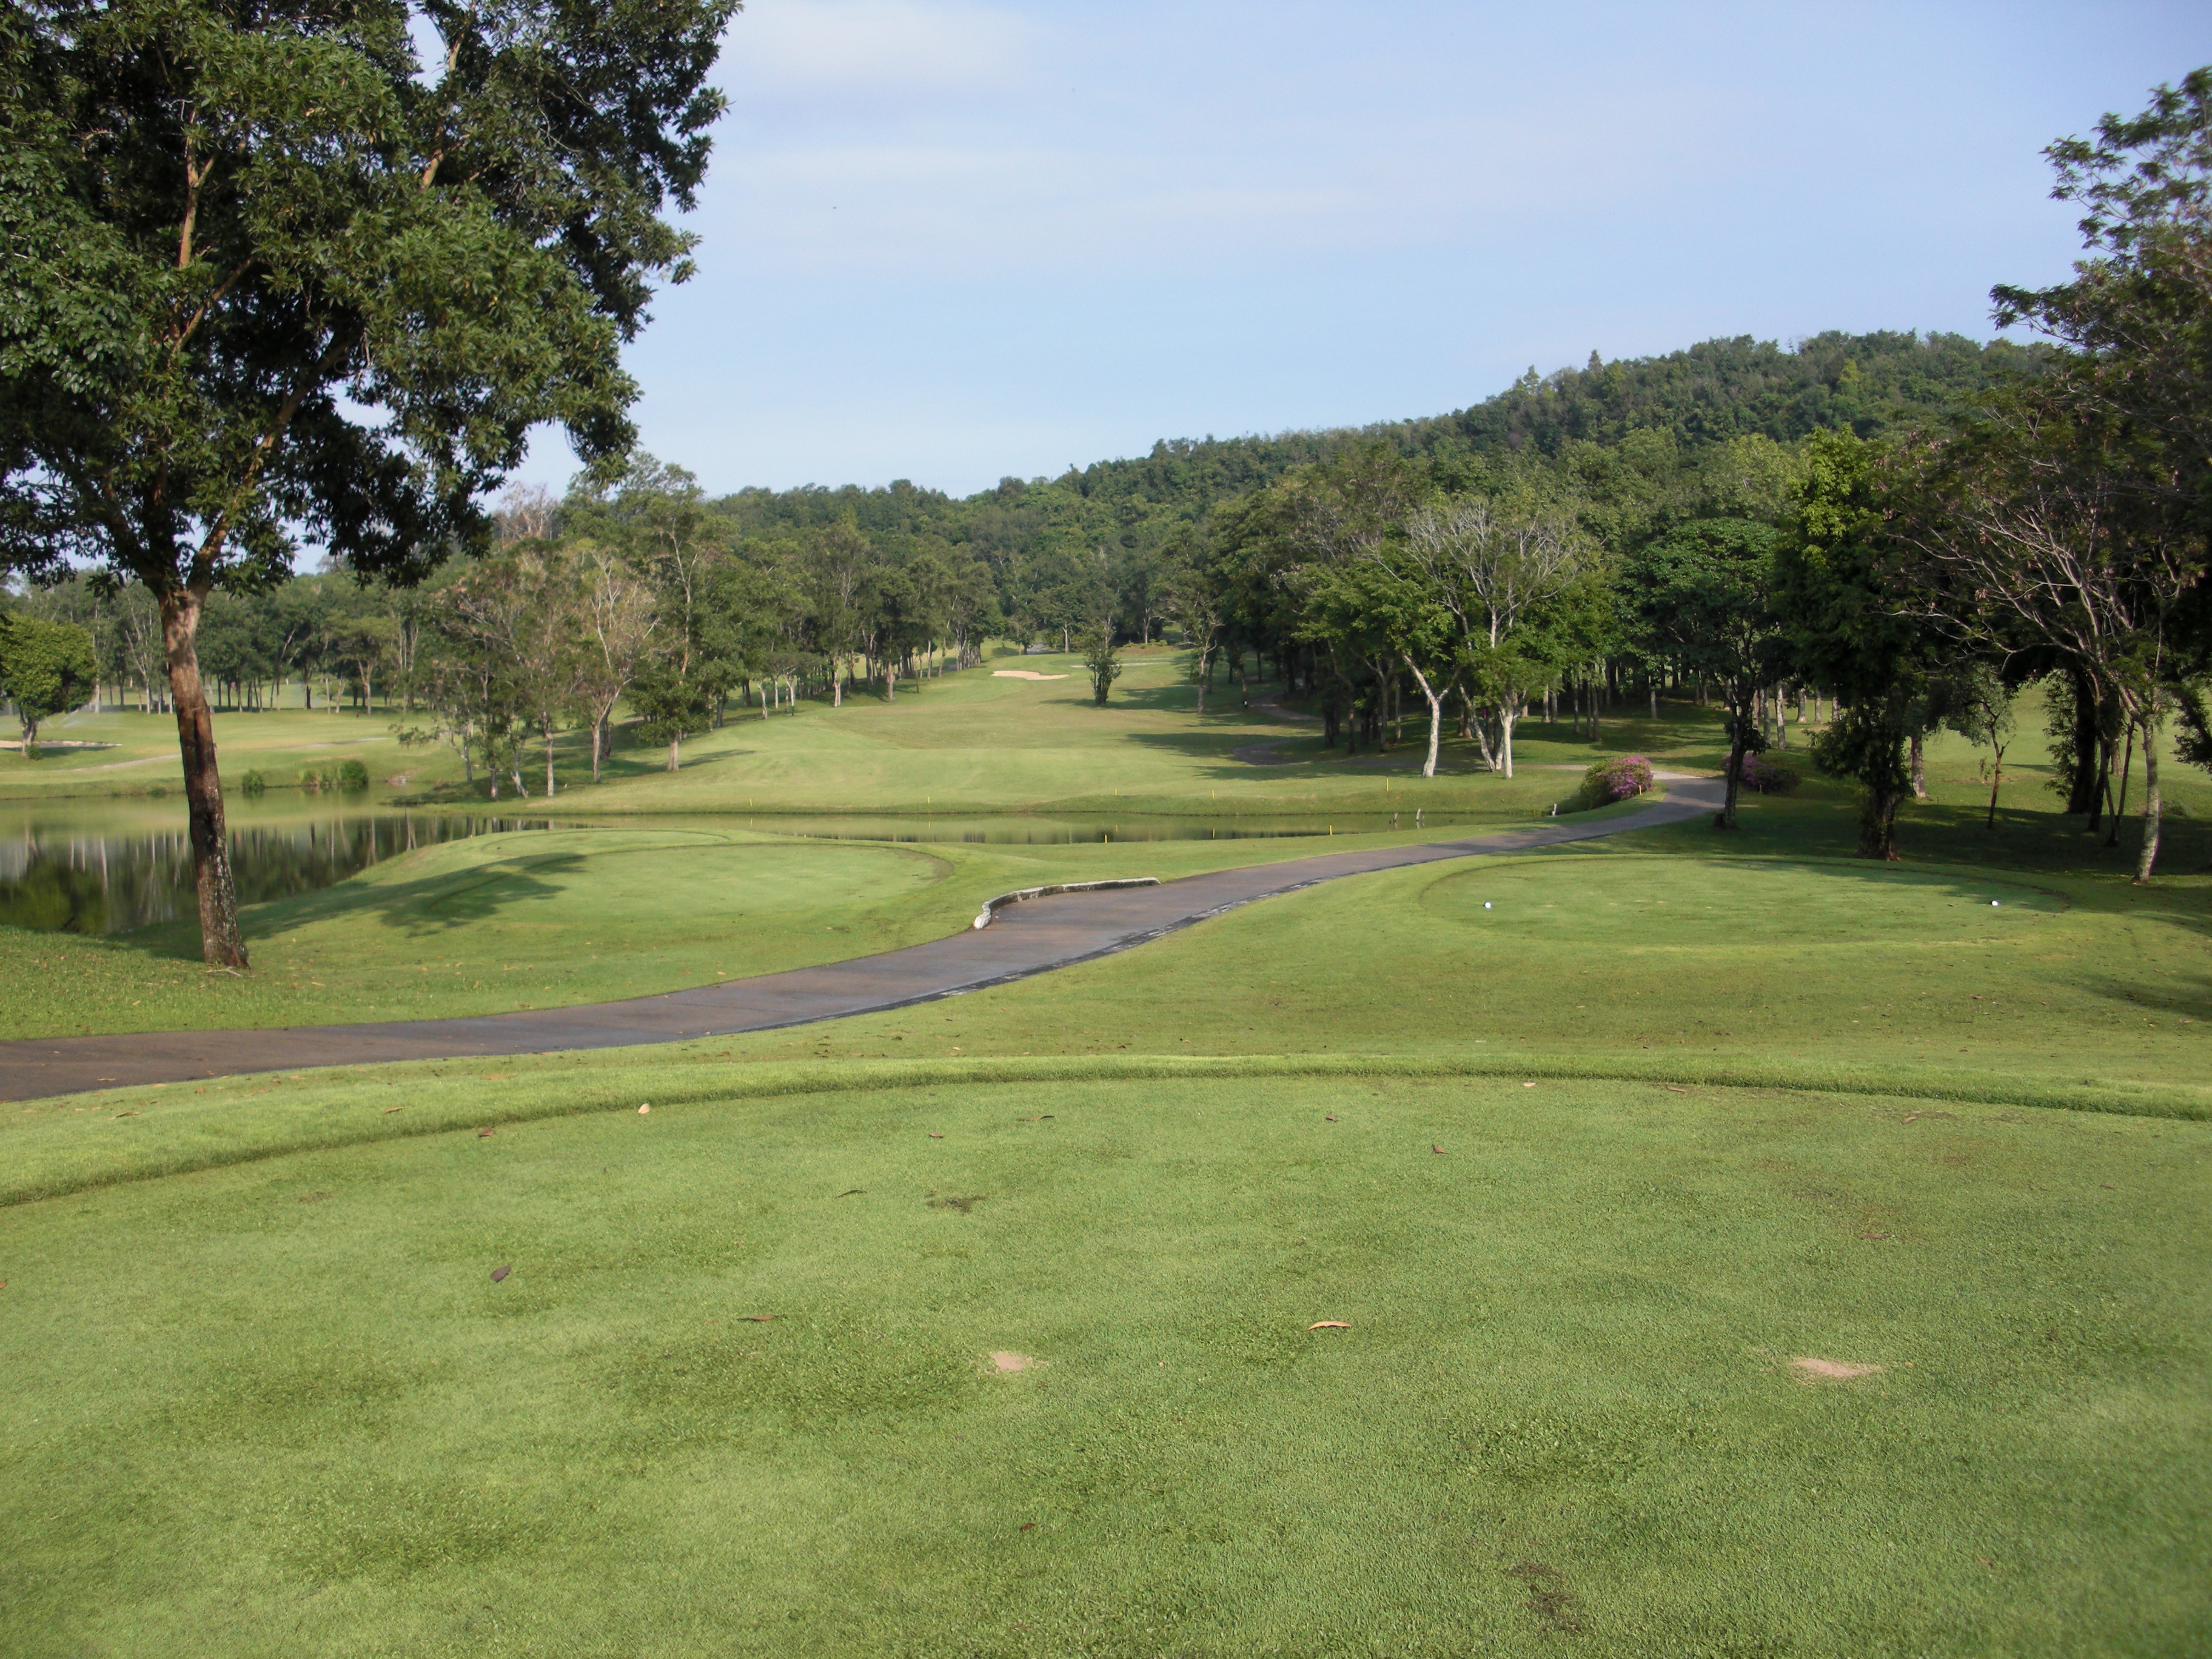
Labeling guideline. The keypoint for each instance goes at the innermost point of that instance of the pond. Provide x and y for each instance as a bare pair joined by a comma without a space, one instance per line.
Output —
107,867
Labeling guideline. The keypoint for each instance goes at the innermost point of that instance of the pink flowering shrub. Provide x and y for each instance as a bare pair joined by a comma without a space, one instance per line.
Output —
1609,781
1767,776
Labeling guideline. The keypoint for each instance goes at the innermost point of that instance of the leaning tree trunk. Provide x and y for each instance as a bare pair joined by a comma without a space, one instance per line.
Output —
1436,717
222,944
2154,804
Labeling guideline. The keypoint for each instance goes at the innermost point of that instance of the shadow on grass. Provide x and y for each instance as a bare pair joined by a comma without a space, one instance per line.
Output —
434,905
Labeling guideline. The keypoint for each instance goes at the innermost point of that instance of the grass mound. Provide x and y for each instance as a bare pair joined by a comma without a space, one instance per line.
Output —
743,1386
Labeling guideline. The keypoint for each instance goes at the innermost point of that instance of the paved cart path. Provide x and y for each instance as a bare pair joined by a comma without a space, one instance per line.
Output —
1033,937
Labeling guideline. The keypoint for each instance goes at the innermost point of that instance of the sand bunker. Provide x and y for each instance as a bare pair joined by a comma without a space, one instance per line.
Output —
1829,1370
1023,674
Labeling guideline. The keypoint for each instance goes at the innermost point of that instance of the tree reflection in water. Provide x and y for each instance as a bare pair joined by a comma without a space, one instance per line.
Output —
75,880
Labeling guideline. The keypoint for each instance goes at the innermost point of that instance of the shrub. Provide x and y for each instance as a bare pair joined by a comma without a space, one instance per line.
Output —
310,778
353,775
1609,781
1767,776
252,783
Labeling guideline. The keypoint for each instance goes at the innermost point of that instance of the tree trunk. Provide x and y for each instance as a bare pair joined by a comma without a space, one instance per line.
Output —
599,738
1919,767
836,692
222,944
2127,769
546,726
1726,820
2083,790
2153,802
675,754
1508,712
1435,719
1997,782
1878,824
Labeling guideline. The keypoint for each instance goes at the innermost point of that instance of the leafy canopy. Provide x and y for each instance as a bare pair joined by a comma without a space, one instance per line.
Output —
272,272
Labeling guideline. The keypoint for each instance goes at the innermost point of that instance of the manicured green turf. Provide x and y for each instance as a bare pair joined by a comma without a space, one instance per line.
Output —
285,1409
550,918
1786,1105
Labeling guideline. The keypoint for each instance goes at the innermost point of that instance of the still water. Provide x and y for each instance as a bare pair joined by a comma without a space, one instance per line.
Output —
86,866
78,868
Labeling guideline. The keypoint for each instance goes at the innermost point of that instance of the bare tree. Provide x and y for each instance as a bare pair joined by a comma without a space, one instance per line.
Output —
1490,563
618,614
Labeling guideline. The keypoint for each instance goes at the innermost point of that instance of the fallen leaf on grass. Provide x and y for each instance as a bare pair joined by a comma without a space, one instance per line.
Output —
1028,1526
312,1198
1672,1090
497,1077
1330,1117
756,1319
1436,1149
1328,1325
389,1110
853,1192
933,1135
643,1109
1527,1085
481,1133
501,1272
130,1114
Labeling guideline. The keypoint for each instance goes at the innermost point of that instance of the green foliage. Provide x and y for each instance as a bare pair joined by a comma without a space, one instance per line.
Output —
223,221
1103,662
1867,743
352,775
253,783
45,669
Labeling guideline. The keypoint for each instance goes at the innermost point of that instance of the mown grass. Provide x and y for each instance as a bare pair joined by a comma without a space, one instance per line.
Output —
1785,1105
284,1407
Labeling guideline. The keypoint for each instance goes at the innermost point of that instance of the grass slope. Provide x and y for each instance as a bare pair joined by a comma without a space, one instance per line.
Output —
1563,1419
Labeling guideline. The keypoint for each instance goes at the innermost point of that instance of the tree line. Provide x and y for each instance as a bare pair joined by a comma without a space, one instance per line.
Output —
2050,527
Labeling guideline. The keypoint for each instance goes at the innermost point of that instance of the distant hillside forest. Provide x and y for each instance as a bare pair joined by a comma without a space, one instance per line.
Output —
1676,407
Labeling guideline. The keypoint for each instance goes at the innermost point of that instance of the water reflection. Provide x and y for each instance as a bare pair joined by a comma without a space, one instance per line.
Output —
88,876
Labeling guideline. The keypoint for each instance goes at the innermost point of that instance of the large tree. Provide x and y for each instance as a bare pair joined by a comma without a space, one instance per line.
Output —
274,274
46,668
1708,594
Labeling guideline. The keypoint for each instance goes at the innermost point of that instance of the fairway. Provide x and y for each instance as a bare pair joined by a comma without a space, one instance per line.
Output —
1585,1147
1565,1416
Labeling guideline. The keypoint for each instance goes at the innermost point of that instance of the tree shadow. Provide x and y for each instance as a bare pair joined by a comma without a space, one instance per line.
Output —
427,907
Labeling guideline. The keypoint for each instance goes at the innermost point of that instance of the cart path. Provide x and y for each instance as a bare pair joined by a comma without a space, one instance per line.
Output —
1033,937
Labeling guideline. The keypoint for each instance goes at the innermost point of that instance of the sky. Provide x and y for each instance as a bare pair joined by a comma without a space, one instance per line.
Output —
951,241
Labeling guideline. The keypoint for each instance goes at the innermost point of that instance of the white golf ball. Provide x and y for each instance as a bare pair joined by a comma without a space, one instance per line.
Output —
1486,905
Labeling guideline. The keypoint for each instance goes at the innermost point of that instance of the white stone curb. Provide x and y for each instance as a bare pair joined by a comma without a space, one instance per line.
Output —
991,906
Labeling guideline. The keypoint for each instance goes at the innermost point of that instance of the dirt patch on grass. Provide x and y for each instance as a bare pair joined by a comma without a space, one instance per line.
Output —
1004,1360
1558,1608
1023,674
1808,1371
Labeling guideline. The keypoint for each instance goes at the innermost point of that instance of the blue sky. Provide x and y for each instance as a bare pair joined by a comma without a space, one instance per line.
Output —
949,240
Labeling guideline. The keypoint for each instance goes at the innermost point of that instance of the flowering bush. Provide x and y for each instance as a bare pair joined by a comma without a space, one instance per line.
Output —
1609,781
1768,777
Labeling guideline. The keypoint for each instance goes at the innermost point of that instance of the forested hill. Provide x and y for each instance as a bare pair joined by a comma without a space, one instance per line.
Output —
1704,395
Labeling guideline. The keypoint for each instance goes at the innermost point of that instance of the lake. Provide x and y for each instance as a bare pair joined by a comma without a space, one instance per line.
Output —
106,867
